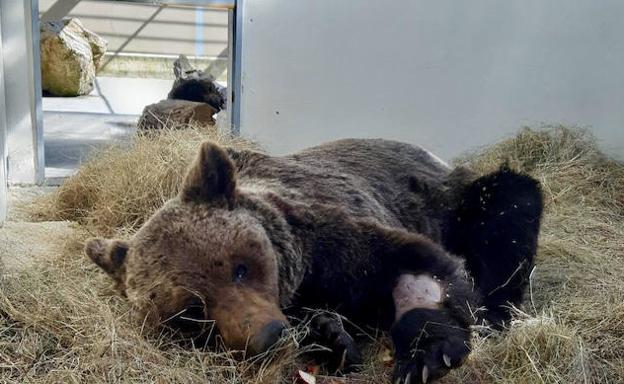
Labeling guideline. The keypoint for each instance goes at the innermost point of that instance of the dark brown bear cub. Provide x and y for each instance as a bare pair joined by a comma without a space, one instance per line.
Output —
379,231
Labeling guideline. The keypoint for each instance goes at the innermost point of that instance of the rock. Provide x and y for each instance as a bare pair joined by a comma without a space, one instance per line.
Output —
70,56
194,99
176,114
98,47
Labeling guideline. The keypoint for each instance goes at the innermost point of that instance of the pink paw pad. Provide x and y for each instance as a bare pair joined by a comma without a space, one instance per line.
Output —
417,291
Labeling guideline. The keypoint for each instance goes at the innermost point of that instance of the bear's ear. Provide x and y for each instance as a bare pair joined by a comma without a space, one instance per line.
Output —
110,255
211,178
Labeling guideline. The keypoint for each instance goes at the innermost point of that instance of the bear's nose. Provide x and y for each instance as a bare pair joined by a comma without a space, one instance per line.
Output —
269,335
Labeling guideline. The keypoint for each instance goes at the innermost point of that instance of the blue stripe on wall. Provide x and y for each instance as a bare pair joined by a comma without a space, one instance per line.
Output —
199,32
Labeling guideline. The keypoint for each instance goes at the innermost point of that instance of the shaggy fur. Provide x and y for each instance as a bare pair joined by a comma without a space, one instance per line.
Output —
253,238
495,228
201,90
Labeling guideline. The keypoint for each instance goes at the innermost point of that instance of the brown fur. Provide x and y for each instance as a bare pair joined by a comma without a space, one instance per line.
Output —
330,227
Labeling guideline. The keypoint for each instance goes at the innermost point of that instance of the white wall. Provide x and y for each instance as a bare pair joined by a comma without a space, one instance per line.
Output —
445,74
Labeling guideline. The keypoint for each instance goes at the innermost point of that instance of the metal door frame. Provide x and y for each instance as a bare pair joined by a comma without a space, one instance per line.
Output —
22,91
3,136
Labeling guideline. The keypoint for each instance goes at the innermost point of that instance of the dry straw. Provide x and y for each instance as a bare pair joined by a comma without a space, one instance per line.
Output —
60,322
121,186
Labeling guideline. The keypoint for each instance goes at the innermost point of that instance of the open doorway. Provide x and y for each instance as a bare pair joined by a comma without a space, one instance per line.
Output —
143,40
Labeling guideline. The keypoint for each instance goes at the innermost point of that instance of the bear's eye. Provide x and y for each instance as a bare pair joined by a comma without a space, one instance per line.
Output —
240,272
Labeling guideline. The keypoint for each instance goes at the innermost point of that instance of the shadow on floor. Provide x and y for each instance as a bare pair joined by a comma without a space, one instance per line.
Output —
70,137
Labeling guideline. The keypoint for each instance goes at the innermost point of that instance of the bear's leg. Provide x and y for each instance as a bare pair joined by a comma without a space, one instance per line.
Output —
495,228
433,303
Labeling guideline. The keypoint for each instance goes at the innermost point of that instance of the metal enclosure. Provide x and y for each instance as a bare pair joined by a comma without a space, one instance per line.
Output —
445,74
22,86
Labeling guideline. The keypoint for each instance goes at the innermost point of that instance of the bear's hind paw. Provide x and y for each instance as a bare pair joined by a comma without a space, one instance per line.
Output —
428,344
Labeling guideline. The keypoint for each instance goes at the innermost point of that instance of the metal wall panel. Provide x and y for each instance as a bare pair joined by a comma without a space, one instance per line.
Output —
445,74
22,75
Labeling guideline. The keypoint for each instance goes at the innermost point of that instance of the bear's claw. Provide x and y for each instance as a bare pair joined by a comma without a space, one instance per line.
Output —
428,343
447,360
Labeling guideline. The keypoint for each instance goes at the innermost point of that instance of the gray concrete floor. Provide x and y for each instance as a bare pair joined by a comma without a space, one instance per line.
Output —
74,127
71,136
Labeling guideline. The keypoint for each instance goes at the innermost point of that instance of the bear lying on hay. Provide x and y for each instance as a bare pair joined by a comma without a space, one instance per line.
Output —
378,231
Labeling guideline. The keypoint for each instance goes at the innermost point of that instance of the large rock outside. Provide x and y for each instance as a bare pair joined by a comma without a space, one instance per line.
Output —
70,57
176,114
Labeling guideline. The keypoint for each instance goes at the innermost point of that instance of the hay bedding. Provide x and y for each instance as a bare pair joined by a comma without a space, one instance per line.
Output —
61,322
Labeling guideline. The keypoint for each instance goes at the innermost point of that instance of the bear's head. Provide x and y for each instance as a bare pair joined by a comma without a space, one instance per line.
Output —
202,259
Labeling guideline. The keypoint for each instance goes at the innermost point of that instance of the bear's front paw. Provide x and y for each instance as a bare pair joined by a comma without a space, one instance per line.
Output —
428,344
343,355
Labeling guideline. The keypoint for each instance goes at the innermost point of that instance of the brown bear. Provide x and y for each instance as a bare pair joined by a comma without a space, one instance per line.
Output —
381,232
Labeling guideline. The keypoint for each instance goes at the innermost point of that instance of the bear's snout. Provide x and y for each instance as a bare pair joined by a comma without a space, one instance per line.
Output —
268,336
248,320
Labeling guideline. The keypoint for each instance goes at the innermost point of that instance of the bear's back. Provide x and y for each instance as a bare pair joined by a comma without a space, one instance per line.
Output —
395,183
